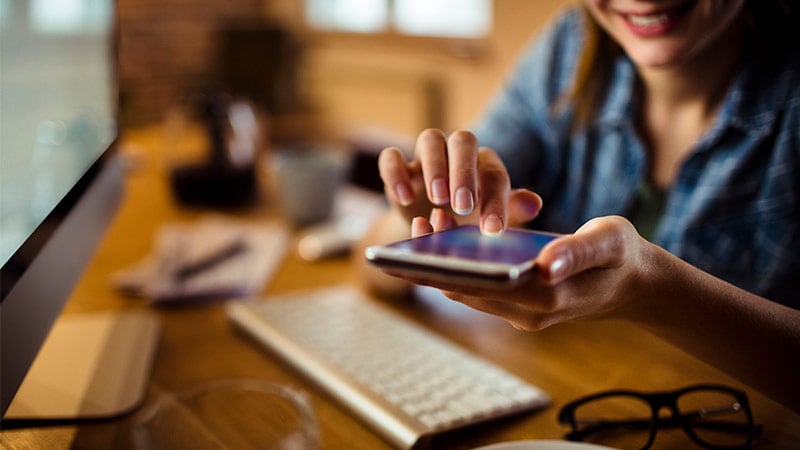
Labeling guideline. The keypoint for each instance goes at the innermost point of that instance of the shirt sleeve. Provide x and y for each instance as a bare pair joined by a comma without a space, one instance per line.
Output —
521,123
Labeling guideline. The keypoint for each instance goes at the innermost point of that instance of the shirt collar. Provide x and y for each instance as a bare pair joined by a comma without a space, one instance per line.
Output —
756,97
751,105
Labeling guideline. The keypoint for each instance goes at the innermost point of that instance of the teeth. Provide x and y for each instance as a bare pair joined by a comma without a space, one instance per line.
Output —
648,21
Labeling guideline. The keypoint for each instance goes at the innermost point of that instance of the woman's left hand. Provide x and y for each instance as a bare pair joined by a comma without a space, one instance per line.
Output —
584,275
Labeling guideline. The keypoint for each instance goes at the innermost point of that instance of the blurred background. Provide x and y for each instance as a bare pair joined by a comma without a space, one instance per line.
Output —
352,65
242,100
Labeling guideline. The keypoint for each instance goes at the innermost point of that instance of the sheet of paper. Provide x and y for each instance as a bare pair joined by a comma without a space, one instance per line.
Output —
212,258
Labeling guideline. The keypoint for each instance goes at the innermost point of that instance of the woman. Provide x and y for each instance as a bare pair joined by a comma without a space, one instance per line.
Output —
676,121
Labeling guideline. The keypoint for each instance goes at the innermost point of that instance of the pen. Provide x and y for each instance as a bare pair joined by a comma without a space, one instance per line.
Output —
213,259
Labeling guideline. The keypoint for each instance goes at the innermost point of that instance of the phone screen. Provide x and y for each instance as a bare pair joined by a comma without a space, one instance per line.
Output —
463,252
512,247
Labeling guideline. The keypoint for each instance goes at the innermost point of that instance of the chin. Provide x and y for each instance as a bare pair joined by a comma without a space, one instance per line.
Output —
656,58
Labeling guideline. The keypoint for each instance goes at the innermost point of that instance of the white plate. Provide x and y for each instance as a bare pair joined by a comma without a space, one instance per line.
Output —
543,445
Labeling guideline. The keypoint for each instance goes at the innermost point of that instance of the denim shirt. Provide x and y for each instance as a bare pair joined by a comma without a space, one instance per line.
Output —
733,208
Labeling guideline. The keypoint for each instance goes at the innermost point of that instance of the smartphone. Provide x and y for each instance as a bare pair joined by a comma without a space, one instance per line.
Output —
463,255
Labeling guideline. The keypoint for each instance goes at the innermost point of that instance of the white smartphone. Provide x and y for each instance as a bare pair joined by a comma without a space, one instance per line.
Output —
463,255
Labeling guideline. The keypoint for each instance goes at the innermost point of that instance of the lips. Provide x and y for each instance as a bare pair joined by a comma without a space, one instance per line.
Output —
656,23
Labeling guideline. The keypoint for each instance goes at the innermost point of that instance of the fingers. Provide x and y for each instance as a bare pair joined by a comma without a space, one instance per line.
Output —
495,188
523,206
431,151
449,167
395,174
436,163
600,243
456,172
420,226
457,165
462,156
439,220
504,309
521,316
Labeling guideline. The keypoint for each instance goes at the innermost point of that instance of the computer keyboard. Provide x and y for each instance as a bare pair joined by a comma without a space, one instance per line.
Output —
404,381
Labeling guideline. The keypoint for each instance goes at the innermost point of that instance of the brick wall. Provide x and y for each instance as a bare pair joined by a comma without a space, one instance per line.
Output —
168,48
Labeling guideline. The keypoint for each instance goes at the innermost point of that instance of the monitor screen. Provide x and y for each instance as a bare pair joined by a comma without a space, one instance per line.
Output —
56,114
59,181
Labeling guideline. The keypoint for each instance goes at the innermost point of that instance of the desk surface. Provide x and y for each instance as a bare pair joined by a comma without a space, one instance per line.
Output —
198,343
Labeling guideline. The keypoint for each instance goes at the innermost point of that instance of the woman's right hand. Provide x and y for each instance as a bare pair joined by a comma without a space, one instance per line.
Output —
452,173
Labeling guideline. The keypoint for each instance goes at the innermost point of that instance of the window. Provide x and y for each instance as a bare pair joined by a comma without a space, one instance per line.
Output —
439,18
360,16
69,16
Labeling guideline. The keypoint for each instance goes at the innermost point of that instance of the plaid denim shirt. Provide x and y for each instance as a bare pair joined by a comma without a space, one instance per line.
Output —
733,209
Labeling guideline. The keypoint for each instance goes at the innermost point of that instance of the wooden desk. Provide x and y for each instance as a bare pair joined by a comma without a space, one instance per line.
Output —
198,344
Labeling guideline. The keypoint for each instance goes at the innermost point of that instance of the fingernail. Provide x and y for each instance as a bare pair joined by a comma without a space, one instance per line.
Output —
531,206
492,224
439,191
558,268
404,194
464,202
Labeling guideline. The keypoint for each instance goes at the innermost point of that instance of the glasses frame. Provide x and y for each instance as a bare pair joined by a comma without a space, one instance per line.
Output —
657,401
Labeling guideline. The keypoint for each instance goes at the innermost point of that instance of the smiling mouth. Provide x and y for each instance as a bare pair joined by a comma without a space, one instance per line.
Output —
648,21
657,23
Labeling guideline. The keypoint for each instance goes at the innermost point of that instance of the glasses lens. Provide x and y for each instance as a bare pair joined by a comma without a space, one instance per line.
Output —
716,417
619,421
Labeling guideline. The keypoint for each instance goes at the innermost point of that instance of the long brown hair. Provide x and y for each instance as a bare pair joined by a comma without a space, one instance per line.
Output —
772,25
592,71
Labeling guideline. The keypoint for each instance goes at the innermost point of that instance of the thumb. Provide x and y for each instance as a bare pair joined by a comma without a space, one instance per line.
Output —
600,243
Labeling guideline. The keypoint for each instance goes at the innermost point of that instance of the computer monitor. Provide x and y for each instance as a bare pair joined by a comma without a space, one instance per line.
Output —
60,177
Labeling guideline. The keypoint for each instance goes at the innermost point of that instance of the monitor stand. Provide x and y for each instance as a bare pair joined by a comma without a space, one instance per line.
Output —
92,366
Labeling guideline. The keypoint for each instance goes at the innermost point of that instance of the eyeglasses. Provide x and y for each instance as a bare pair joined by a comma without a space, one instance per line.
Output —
713,416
